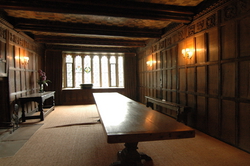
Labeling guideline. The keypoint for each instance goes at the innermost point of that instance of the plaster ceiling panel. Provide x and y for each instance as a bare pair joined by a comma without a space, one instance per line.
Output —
89,19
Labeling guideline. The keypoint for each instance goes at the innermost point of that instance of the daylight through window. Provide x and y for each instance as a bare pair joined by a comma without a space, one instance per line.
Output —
101,70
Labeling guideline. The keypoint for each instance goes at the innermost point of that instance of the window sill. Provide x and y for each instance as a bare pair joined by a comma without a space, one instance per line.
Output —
94,88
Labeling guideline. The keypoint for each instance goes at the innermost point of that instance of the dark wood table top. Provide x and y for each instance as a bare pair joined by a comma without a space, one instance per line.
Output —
40,95
125,120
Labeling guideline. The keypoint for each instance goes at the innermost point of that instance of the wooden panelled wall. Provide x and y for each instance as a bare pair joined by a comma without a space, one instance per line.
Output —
84,96
215,82
20,78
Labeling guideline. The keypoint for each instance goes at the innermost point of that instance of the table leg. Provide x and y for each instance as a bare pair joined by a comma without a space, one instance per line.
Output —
40,107
129,156
23,113
145,157
149,104
53,100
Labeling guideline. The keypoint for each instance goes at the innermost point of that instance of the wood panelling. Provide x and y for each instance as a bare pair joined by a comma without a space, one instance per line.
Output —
190,44
191,101
53,63
182,79
4,111
201,114
169,59
228,124
244,126
228,75
200,45
164,79
181,60
16,55
174,97
12,83
213,79
244,80
3,55
173,78
21,79
168,85
191,79
244,35
174,52
213,119
201,79
215,82
17,81
183,99
168,96
213,49
228,40
82,96
130,72
153,76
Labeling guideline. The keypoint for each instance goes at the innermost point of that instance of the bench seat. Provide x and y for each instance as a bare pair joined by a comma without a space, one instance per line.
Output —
180,110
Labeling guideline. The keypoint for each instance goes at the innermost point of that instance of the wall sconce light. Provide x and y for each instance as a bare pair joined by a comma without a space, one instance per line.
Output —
187,53
24,60
150,63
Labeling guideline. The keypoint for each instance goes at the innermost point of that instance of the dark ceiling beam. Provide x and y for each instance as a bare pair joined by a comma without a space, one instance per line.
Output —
137,10
91,29
134,5
88,48
89,41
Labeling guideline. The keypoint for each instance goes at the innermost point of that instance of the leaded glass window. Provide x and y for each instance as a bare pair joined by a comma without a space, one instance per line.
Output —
96,71
69,67
104,68
87,70
101,70
120,71
113,70
78,71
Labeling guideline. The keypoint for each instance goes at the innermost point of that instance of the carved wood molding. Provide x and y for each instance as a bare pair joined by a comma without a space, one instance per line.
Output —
210,8
21,41
3,33
200,23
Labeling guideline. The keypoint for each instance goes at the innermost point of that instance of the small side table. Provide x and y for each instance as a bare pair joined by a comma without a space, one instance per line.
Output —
39,98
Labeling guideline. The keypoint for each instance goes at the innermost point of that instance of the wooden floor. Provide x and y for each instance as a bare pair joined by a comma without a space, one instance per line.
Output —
72,136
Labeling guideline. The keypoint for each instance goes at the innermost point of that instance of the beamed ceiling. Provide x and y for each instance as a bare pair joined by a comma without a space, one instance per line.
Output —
120,25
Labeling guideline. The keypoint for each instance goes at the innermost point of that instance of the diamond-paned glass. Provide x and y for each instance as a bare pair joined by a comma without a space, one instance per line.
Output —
113,70
69,75
78,71
69,65
96,71
104,69
69,59
87,70
120,71
100,70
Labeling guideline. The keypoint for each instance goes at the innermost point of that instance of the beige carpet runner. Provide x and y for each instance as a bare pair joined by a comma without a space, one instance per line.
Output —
72,136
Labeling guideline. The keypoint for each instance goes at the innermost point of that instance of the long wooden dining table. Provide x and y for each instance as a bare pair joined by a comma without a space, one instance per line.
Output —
127,121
